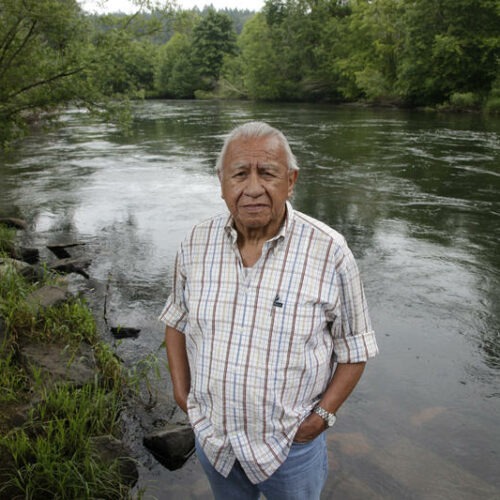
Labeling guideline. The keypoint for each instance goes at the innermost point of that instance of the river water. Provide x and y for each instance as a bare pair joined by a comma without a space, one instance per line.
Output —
417,196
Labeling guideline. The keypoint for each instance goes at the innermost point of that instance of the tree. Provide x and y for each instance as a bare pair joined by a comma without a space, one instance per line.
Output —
450,46
177,76
291,50
259,60
52,54
42,55
213,38
374,40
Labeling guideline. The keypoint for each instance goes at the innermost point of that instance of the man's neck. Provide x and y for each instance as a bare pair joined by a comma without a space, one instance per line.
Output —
251,241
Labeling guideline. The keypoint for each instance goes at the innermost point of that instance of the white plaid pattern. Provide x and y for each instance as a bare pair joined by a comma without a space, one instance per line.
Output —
262,346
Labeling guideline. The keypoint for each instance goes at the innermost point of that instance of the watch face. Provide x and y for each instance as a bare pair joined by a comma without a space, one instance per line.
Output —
330,418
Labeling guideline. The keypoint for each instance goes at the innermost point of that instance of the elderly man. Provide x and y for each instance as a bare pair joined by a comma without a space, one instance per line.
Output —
267,328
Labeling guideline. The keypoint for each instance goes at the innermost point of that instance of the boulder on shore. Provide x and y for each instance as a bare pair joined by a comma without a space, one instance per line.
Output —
59,249
7,264
60,363
69,265
124,332
171,446
48,296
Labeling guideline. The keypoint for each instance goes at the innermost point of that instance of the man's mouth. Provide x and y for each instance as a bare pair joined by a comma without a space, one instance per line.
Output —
255,207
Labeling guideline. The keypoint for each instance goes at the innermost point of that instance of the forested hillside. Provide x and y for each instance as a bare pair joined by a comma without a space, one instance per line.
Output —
441,53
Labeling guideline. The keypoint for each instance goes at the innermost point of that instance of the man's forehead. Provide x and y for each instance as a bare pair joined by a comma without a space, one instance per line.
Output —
263,150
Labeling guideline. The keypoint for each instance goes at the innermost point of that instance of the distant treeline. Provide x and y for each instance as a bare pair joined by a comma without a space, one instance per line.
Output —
439,53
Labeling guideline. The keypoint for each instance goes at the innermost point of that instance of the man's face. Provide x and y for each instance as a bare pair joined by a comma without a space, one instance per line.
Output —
256,183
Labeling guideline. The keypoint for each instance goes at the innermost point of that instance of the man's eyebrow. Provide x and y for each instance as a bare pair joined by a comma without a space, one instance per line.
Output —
262,166
269,166
239,165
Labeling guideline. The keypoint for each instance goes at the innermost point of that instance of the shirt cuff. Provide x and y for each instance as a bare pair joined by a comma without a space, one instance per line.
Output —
355,348
174,316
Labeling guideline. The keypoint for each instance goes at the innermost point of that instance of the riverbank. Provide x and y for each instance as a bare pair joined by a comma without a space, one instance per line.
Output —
62,388
64,392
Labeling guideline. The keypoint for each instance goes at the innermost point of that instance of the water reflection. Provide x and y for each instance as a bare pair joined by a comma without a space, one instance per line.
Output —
417,197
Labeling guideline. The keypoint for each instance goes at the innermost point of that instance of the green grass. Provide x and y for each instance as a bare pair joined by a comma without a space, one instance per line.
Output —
7,236
51,455
13,380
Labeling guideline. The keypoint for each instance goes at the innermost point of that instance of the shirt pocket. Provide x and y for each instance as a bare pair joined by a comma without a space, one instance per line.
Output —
301,327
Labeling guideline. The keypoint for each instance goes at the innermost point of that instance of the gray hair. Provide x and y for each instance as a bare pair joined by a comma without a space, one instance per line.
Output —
253,130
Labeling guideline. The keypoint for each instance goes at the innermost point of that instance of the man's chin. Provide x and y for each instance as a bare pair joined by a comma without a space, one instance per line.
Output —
254,222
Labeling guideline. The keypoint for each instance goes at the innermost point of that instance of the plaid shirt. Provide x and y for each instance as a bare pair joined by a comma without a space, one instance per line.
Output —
262,344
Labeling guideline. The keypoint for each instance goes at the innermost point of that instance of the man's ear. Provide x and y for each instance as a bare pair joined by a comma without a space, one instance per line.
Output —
219,175
292,179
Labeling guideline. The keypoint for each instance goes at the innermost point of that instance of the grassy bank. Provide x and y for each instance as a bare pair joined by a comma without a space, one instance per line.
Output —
48,431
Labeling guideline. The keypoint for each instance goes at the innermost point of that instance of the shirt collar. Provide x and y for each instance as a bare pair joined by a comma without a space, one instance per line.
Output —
230,228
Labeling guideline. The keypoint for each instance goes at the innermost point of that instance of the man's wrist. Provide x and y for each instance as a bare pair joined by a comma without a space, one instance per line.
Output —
328,417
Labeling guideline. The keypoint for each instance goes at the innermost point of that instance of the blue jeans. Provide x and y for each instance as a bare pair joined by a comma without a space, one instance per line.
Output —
301,477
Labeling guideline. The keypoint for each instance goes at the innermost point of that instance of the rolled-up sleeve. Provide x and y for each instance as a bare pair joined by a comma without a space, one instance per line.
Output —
175,312
353,336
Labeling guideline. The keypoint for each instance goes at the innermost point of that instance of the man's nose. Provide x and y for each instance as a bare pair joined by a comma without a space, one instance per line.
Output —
254,186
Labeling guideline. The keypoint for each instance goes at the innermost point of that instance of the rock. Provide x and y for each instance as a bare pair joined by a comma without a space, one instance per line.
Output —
60,363
71,266
29,255
109,450
48,296
7,264
171,446
124,332
34,273
14,222
17,415
59,249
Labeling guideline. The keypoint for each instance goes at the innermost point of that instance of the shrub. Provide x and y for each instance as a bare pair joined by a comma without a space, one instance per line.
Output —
464,100
492,105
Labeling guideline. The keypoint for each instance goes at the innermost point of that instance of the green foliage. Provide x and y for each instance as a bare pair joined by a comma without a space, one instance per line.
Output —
13,380
413,52
213,38
70,320
492,105
192,59
143,378
176,74
464,100
14,310
53,454
41,55
7,236
374,38
416,52
231,82
450,46
125,55
52,54
259,60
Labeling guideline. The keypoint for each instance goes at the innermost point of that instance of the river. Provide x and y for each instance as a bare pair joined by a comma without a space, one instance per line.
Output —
417,196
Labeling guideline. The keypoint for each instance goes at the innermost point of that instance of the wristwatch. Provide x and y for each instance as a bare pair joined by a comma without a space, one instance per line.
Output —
328,417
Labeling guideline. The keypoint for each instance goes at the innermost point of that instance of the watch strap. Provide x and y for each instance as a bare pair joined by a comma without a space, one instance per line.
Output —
327,416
